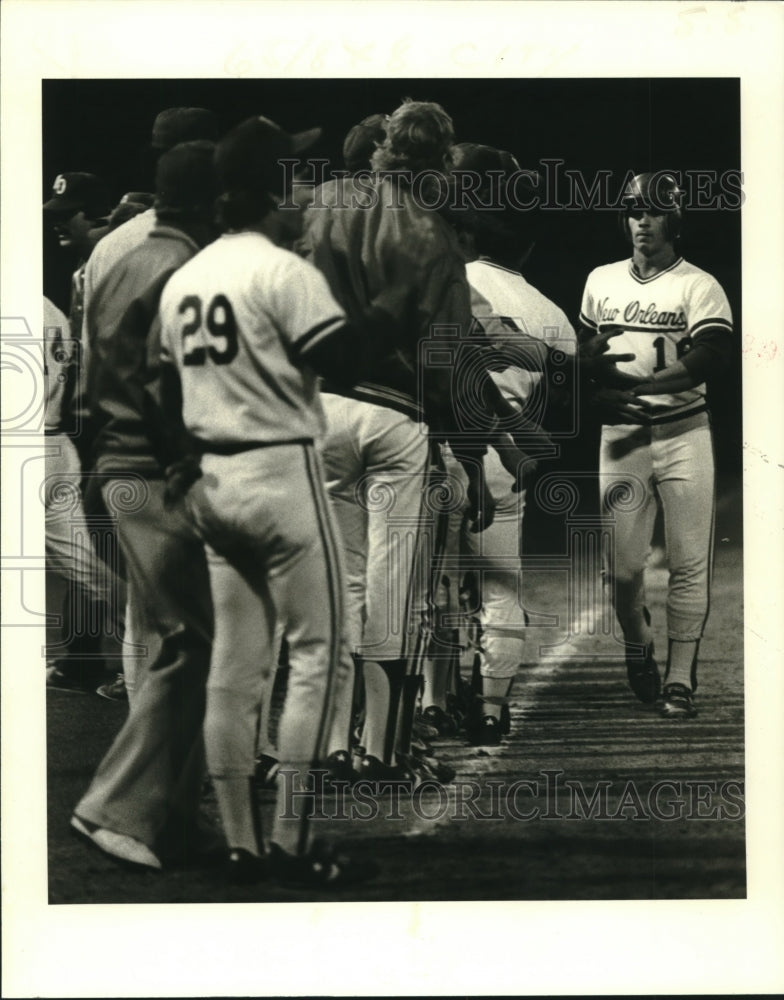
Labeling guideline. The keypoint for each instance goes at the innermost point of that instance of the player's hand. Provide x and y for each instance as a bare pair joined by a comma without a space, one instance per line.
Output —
516,462
618,406
597,362
481,503
180,476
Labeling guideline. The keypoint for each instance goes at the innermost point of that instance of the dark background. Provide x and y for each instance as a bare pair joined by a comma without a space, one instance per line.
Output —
103,126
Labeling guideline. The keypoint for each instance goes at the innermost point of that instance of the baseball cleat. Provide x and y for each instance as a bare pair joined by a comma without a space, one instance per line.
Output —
423,729
429,769
322,867
115,690
117,846
643,674
443,722
61,680
677,701
420,748
339,768
243,868
486,732
375,772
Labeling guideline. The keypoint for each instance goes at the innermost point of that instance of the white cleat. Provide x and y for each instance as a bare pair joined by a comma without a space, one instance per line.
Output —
117,845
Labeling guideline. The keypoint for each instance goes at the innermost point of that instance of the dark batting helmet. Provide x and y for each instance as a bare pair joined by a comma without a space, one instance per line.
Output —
653,192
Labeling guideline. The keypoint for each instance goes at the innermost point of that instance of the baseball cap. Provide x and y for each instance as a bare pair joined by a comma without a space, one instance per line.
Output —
138,198
175,125
361,141
478,159
78,192
246,159
185,178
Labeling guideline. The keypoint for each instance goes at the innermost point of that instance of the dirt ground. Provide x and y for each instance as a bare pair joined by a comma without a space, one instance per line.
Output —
666,821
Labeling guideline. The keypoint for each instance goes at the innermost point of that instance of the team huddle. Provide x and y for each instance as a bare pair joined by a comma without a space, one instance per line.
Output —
314,417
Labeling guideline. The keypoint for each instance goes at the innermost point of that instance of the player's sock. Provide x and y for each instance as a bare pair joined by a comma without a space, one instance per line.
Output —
435,672
405,727
340,733
495,688
383,685
238,812
633,616
681,665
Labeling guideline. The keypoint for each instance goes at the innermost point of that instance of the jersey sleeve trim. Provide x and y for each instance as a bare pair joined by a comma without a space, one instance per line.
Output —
716,321
317,333
588,322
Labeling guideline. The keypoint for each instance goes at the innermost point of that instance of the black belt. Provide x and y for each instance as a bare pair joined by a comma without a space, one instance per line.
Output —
672,417
238,447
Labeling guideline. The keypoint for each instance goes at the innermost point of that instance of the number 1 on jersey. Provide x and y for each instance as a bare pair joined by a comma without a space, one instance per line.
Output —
681,348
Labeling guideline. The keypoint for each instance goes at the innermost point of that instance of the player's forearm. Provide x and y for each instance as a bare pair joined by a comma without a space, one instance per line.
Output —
352,352
693,369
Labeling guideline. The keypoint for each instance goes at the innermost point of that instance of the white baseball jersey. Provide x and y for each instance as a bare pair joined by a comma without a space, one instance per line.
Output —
58,363
661,316
523,307
238,320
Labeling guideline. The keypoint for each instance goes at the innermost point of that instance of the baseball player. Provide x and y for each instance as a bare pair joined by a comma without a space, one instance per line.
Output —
376,450
131,204
246,327
496,243
362,141
170,127
77,211
142,805
69,551
359,145
671,330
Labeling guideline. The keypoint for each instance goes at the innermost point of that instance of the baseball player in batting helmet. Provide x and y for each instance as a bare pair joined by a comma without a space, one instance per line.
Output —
671,330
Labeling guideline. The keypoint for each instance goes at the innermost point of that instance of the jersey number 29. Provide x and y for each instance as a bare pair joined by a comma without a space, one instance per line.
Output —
220,325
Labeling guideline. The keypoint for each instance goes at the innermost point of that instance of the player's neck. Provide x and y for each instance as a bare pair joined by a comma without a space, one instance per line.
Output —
648,265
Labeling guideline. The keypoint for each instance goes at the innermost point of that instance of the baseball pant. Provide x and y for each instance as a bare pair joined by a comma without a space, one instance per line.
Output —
273,554
68,547
149,783
674,462
375,460
91,604
493,559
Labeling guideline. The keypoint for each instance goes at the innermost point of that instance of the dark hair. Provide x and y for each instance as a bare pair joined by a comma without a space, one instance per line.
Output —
506,237
125,211
241,209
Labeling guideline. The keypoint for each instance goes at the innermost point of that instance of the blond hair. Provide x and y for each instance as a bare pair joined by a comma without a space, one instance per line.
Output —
419,136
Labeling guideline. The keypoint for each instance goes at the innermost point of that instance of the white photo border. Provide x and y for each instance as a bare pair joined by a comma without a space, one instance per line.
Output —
408,948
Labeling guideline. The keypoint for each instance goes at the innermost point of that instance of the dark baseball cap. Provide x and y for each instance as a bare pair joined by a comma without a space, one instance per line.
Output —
185,179
138,198
481,159
79,192
361,141
175,125
246,159
478,159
